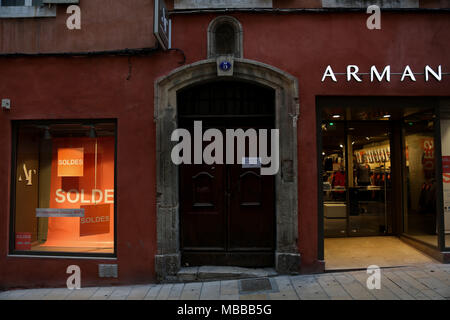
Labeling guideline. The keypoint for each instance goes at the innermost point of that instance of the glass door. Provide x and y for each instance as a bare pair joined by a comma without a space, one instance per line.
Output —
334,179
369,183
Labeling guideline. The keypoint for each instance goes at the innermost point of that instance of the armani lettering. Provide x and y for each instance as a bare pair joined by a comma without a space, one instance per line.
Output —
353,74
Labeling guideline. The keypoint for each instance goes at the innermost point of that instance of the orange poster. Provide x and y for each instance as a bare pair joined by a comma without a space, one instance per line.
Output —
70,162
96,220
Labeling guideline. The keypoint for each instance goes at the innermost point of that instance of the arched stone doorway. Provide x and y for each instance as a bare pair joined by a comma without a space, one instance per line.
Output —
168,257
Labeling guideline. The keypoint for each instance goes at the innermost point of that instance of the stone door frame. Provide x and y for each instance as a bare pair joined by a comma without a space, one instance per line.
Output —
168,257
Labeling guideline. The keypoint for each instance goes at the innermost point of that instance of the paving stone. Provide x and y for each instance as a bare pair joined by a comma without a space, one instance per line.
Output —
102,293
406,286
283,296
35,294
427,280
253,285
444,292
175,292
308,288
139,292
438,274
153,292
191,291
210,291
12,295
397,290
332,288
58,294
354,287
120,293
164,292
419,286
82,294
285,288
229,287
258,296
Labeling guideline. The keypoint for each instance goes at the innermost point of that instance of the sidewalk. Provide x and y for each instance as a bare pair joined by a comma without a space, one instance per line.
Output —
421,282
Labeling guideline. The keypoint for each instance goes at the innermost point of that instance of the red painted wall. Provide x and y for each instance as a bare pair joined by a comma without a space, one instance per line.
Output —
105,25
300,44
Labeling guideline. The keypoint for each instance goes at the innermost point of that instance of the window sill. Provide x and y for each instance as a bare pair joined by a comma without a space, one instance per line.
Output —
27,12
67,256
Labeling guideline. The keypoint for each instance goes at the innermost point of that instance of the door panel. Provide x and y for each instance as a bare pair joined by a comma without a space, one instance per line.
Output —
251,210
202,207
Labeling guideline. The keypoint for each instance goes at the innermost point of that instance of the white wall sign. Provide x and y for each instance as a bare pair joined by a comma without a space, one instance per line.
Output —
59,213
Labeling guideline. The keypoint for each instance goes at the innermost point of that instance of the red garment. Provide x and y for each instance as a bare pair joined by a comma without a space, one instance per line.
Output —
338,179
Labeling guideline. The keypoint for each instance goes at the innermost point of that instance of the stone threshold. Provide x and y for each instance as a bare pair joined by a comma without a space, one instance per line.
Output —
211,273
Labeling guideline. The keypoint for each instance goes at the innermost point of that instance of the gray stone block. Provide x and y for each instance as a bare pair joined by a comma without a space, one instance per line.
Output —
287,263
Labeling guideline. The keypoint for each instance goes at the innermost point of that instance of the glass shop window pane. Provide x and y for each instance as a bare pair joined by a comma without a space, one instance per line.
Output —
445,144
421,218
64,188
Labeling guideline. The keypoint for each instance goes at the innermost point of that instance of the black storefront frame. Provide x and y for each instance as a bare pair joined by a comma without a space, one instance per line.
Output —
15,124
385,101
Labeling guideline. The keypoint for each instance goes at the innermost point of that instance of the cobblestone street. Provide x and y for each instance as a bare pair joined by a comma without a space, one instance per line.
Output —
421,282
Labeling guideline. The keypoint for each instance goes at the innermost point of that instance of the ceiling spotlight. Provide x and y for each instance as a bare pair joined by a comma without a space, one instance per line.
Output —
367,138
341,146
387,116
323,153
336,116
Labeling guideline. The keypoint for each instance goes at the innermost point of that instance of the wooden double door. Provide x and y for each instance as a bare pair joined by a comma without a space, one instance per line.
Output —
227,211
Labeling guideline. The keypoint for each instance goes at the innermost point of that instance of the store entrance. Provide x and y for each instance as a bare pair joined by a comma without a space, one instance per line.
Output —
378,181
227,211
357,178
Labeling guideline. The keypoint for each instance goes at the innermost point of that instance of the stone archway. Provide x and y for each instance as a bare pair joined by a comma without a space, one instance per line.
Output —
168,257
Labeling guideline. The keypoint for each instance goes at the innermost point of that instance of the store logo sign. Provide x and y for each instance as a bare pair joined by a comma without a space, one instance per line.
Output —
28,175
352,74
70,162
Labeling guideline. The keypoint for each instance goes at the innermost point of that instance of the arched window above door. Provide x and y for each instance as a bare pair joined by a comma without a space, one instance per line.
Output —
225,37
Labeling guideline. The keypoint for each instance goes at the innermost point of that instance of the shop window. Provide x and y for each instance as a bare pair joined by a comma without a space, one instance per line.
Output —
31,8
15,3
445,149
63,188
225,37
